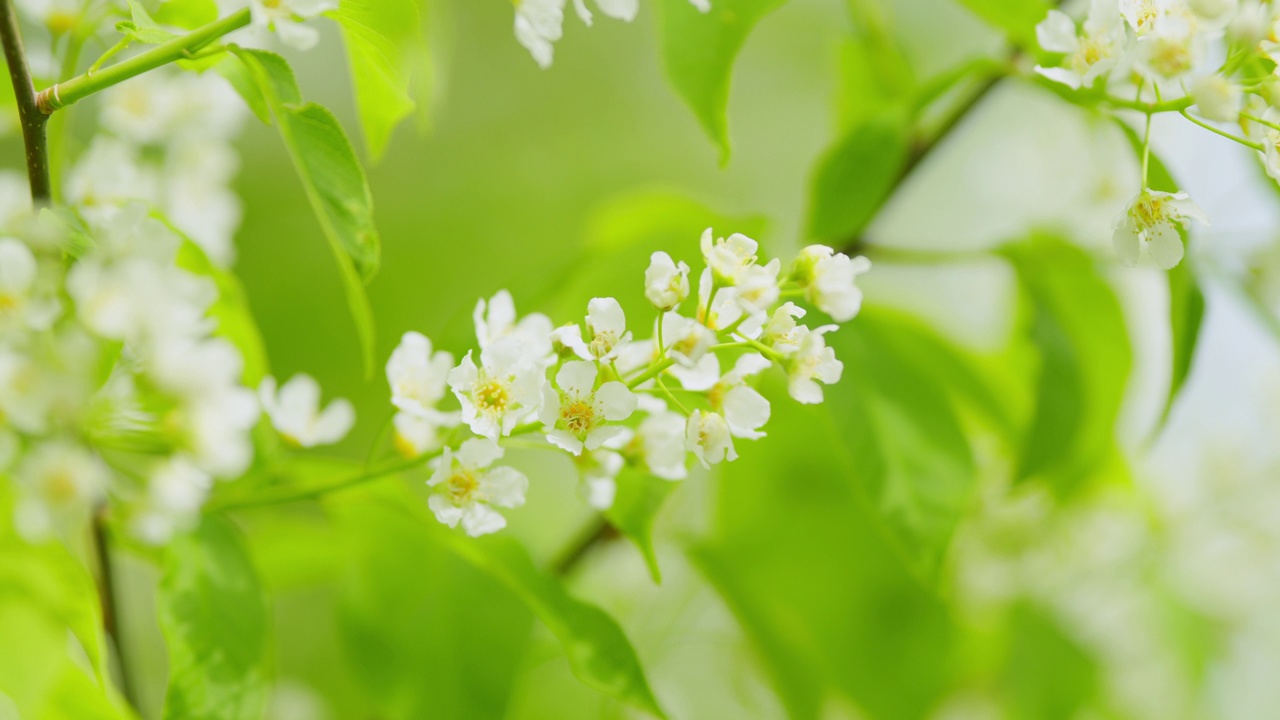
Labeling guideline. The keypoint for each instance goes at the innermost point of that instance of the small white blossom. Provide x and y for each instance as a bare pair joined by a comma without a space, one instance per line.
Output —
1091,55
577,412
707,436
660,443
500,393
1149,226
286,18
624,10
417,376
829,279
757,288
466,486
295,412
781,332
175,492
58,484
728,258
687,341
1217,98
18,292
666,283
538,25
497,319
600,470
812,363
415,434
744,408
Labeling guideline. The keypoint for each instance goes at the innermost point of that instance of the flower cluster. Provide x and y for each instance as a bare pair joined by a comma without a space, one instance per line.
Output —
167,142
540,23
113,384
1214,58
609,399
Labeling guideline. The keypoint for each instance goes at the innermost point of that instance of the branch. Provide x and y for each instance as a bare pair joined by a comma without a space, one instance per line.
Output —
179,48
598,534
107,596
33,121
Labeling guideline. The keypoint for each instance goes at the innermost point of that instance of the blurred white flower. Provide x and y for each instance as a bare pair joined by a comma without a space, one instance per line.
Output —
660,443
687,341
418,376
286,18
1217,98
830,280
466,488
500,393
539,24
176,490
295,412
624,10
781,331
1089,56
728,259
19,303
576,412
58,483
497,319
416,434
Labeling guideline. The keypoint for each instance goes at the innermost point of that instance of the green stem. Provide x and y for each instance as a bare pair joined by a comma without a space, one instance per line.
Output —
34,130
1148,108
1223,133
765,350
654,371
180,48
1260,121
1146,148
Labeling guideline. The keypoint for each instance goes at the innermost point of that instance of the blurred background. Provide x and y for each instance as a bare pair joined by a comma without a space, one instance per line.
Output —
788,590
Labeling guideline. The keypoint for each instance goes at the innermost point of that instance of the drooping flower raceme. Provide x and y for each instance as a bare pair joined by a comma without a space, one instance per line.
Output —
610,401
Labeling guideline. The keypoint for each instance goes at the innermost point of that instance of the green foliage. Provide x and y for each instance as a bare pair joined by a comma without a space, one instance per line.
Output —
187,14
230,311
699,50
334,181
425,633
1078,328
214,616
639,498
385,50
1016,18
1050,677
142,28
899,424
855,177
799,558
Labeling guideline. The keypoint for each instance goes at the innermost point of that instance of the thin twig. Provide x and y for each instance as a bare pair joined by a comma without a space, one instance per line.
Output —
33,121
110,615
598,533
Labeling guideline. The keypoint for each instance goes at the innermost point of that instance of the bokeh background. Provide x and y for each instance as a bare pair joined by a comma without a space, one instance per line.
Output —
784,594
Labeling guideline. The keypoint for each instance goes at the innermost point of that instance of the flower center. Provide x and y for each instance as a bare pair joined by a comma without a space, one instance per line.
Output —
492,396
578,417
462,485
60,487
602,343
1171,58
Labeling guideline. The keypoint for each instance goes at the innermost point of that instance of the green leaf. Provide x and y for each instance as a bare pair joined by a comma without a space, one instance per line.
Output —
386,48
638,499
142,28
699,50
1078,327
854,178
333,179
903,433
214,616
800,560
1016,18
407,603
1050,677
598,651
187,14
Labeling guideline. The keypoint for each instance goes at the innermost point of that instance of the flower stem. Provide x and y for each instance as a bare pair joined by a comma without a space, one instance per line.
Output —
654,371
34,131
179,48
110,616
1223,133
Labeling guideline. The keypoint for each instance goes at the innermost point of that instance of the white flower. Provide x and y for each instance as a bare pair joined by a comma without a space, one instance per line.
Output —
744,408
295,412
1171,51
59,16
415,434
497,319
781,333
660,443
707,436
1150,226
176,491
687,341
539,25
703,6
600,470
757,288
417,376
218,426
502,392
812,363
108,175
1089,56
18,301
607,325
728,259
466,487
26,397
1217,98
624,10
58,484
578,412
286,17
723,310
666,283
139,299
829,279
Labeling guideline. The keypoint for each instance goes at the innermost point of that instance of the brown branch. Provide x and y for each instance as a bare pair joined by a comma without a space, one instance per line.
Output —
33,121
107,596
